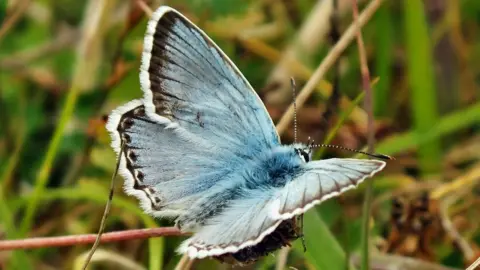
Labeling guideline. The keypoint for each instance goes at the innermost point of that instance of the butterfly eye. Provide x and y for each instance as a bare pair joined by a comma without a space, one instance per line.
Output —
304,155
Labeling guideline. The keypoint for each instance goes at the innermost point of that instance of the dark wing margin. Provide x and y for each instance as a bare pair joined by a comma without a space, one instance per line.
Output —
120,121
186,78
198,119
153,161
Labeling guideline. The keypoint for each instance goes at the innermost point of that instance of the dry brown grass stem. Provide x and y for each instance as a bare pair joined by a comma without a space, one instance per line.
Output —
329,60
461,184
144,7
367,203
64,39
307,40
185,263
282,258
389,261
475,264
11,20
452,232
110,260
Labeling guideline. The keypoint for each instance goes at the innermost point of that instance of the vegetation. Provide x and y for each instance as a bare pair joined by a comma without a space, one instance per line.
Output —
64,65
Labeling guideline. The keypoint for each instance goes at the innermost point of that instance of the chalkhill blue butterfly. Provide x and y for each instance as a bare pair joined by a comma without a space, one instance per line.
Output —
200,148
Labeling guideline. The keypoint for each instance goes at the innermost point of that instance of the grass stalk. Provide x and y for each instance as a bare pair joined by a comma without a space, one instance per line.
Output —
46,167
421,80
94,16
328,62
383,61
368,104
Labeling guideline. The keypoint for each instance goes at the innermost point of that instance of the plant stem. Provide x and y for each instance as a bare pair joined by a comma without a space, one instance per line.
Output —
370,137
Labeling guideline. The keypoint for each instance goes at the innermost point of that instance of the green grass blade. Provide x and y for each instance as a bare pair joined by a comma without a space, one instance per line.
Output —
323,249
384,60
3,10
448,124
47,164
95,16
156,248
19,259
422,82
342,119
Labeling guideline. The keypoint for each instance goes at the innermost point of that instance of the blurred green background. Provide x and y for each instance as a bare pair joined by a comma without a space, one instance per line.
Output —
65,64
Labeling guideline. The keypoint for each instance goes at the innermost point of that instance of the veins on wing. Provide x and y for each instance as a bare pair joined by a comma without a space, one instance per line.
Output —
207,208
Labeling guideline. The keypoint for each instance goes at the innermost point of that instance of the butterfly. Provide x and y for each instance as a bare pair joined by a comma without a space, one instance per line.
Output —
200,148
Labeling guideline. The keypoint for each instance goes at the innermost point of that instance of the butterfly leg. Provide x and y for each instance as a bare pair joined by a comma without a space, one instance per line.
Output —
301,235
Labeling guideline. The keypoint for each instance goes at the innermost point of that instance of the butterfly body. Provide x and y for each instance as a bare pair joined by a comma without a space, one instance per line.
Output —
274,168
258,175
200,148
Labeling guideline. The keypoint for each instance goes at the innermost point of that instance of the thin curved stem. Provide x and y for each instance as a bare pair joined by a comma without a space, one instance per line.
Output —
367,203
71,240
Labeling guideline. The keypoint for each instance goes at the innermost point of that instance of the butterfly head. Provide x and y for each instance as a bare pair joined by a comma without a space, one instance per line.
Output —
303,151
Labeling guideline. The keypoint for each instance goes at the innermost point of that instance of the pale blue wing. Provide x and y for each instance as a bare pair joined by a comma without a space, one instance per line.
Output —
245,222
199,119
187,79
320,181
258,212
165,166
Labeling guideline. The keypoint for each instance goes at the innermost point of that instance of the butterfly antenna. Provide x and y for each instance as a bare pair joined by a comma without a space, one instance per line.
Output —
105,212
375,155
294,93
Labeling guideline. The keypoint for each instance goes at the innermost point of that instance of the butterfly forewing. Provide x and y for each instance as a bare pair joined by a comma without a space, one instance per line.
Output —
202,117
143,160
189,80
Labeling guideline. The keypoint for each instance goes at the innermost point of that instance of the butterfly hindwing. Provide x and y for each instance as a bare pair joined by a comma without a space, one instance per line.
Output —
147,155
245,222
320,181
258,212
